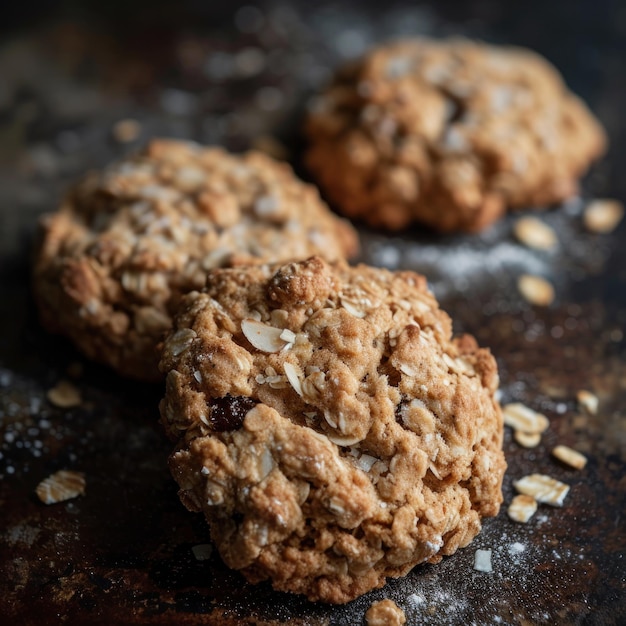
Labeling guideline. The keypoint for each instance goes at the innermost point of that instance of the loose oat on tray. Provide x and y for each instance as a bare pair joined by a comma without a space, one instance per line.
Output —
448,134
329,427
128,241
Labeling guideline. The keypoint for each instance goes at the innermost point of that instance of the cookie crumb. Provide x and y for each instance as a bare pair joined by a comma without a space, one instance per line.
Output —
482,561
522,508
534,233
64,395
603,216
522,418
202,551
535,290
543,488
385,613
570,457
60,486
587,401
527,440
126,130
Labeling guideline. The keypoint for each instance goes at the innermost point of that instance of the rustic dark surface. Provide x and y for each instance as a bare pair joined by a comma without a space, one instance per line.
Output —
123,552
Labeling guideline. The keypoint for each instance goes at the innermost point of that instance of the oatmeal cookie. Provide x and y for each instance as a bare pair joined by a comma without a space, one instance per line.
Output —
448,134
329,427
128,241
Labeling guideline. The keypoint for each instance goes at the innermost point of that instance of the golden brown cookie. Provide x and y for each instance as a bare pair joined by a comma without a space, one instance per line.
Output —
449,134
128,241
329,427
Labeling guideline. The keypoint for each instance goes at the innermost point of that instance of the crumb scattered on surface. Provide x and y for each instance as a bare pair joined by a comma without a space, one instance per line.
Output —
524,419
543,488
482,561
527,440
522,508
385,613
60,486
570,457
588,401
603,215
64,395
126,130
535,233
535,290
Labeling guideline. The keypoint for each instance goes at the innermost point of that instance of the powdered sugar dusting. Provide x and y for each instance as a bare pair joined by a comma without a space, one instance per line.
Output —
459,264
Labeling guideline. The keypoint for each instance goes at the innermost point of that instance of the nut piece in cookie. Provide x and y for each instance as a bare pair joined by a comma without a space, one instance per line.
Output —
130,240
329,427
449,134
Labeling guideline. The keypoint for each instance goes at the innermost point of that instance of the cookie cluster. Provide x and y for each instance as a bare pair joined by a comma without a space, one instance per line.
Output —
327,424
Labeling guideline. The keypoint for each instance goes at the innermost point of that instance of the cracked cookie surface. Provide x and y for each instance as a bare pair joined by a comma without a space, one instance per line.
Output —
448,134
329,427
128,241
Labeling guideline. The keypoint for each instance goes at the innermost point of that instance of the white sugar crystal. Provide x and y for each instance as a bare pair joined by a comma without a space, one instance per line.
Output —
482,561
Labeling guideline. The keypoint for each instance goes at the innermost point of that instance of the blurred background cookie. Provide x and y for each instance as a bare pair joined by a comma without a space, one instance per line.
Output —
448,133
128,241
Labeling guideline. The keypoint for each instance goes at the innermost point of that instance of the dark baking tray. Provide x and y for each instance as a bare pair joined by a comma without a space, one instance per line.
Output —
122,554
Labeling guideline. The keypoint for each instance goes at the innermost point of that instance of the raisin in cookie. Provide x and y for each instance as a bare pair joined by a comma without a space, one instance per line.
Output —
329,428
449,134
130,240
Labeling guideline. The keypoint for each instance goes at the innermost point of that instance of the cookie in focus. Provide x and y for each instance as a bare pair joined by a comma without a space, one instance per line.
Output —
329,427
